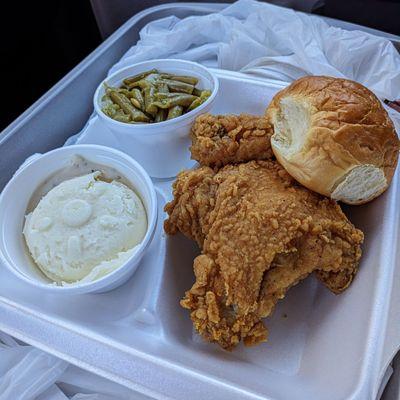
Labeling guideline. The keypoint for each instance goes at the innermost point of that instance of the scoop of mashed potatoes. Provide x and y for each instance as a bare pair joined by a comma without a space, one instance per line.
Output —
85,228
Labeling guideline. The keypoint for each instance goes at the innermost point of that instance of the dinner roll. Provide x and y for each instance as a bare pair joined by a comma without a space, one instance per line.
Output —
334,137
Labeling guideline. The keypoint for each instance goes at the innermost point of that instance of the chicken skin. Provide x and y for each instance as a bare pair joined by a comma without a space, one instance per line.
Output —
260,233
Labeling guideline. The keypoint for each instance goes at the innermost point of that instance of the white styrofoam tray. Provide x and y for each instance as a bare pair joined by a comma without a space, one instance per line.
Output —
321,346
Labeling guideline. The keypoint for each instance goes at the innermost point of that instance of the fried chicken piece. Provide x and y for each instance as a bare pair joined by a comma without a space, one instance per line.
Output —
260,234
227,139
219,140
194,199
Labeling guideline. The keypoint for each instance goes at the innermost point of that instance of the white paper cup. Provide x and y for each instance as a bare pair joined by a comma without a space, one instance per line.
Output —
14,202
161,148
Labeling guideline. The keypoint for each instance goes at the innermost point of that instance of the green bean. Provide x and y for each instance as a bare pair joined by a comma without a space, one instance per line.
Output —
140,116
105,98
138,77
162,96
121,117
174,112
205,94
174,95
183,100
137,95
180,87
162,87
141,84
195,104
135,103
152,96
152,78
149,98
119,99
196,92
191,80
107,102
110,109
127,107
160,116
125,92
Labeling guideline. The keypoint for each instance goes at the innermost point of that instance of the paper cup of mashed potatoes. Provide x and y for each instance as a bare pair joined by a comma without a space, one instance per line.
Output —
77,219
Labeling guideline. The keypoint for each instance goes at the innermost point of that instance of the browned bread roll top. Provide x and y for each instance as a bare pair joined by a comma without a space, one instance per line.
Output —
334,137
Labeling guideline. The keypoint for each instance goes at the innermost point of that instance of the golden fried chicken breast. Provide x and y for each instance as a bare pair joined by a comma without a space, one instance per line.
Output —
260,234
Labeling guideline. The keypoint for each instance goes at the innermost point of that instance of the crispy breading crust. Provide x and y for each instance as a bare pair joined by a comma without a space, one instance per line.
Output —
260,233
228,139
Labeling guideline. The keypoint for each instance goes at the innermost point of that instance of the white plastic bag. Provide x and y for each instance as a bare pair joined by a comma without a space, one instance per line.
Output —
27,373
274,42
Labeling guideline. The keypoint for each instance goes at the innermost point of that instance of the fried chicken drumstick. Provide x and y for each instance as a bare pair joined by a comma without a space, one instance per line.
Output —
260,233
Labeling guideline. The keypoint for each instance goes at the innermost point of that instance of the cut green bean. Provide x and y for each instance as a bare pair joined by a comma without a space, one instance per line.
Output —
205,94
105,99
195,104
121,100
142,84
183,100
174,112
152,78
135,103
181,87
162,96
162,88
191,80
126,106
161,115
138,77
172,96
137,95
111,109
125,92
152,96
120,117
196,92
149,99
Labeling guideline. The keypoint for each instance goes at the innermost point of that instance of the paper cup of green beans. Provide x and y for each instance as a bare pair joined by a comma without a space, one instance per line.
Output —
150,107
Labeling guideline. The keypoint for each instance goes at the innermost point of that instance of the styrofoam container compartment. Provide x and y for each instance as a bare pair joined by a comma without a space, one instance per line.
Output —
320,346
161,148
16,196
